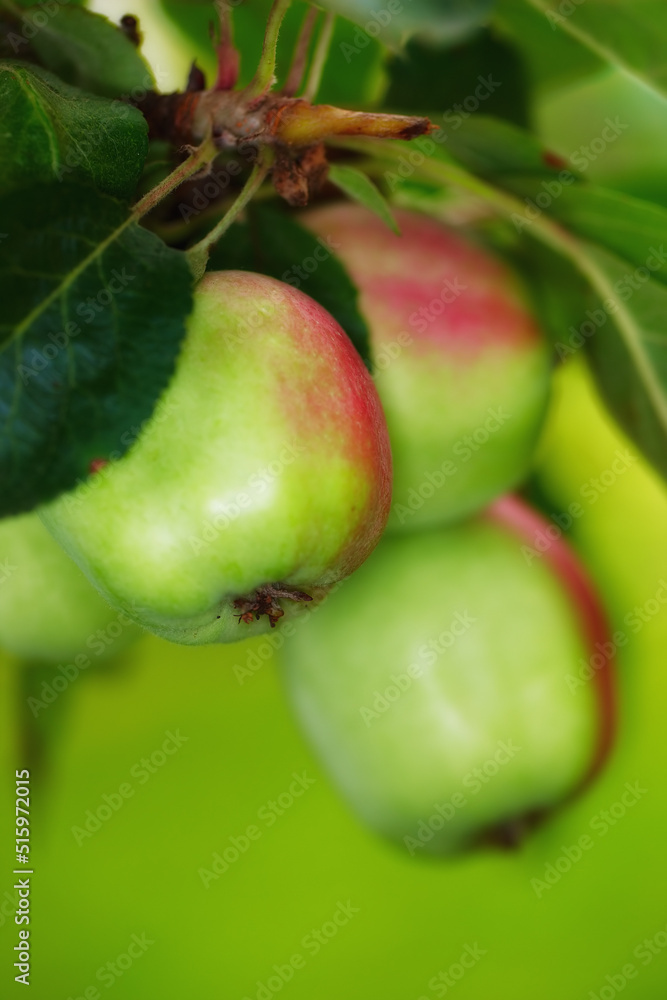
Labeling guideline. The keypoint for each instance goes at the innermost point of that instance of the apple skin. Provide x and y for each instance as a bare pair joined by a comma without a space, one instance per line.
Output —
447,648
475,366
267,461
49,612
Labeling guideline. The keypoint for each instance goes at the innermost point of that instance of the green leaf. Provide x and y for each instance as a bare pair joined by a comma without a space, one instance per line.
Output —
396,21
629,354
492,148
84,49
94,311
552,58
628,227
485,74
361,188
51,131
629,34
273,243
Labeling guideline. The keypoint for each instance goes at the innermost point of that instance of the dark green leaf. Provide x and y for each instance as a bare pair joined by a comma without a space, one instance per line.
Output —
273,243
51,131
485,73
361,188
94,311
84,49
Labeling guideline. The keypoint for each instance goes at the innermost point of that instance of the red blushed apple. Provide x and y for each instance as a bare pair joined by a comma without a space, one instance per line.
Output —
447,686
262,479
462,369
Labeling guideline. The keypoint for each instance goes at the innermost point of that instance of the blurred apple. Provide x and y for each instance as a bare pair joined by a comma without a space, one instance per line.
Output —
48,610
461,367
438,684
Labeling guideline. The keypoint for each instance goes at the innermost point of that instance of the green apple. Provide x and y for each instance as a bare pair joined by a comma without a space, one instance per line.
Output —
461,367
442,685
262,479
49,612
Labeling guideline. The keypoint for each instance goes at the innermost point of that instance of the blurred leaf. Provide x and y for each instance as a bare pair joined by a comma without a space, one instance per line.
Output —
630,34
552,58
395,21
633,229
486,72
361,188
491,147
94,311
629,355
273,243
86,50
620,252
558,293
52,131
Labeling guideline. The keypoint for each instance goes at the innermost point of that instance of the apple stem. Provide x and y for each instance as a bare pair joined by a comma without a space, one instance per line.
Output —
199,253
319,58
298,67
200,157
264,77
264,601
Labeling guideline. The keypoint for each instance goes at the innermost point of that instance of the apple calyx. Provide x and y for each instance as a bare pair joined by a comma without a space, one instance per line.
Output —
264,601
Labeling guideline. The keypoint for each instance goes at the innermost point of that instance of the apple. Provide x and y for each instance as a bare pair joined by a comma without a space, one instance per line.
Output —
447,688
462,369
49,612
262,479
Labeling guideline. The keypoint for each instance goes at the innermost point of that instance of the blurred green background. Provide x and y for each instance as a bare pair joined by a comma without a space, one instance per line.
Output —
139,874
138,882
